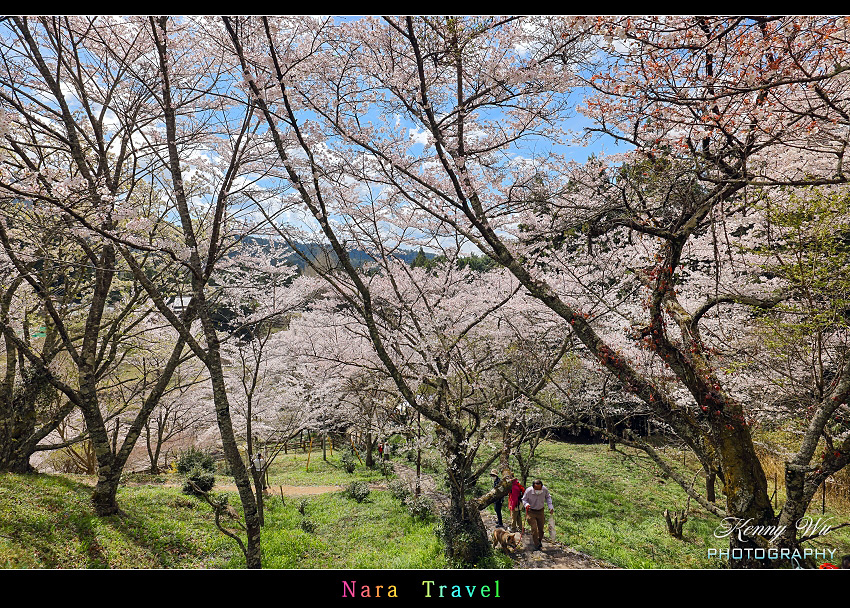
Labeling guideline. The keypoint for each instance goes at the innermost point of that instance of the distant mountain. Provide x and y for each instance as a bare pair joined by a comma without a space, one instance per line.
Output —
315,251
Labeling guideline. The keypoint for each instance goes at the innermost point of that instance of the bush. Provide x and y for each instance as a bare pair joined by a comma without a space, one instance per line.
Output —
387,469
203,478
398,489
302,506
308,525
192,458
358,490
222,467
420,507
431,463
349,460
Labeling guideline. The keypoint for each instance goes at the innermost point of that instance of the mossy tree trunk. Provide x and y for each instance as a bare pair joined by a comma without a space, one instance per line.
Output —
464,534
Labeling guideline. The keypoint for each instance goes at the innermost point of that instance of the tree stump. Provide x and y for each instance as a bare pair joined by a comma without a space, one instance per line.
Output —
675,522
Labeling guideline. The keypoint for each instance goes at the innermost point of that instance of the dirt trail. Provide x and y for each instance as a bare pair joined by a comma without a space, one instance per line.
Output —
289,490
229,487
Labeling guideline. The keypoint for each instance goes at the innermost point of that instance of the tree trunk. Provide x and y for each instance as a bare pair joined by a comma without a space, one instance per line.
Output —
19,430
463,533
710,492
154,450
612,438
258,492
231,449
17,427
419,454
15,457
104,495
108,474
370,461
745,485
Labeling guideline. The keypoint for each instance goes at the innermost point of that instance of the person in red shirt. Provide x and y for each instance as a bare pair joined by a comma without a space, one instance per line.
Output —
515,504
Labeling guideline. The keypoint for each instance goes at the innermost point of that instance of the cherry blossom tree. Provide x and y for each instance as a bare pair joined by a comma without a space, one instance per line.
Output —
435,113
180,411
62,152
263,293
123,126
30,407
445,331
164,142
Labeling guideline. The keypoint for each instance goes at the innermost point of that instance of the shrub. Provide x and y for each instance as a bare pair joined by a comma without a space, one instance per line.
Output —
358,490
398,489
308,525
191,458
420,507
349,461
202,478
302,506
222,467
387,469
430,463
183,503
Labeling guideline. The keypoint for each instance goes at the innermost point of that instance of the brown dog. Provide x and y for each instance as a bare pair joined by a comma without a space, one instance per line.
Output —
506,539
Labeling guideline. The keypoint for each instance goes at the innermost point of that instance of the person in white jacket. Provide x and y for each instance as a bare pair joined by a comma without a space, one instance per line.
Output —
535,499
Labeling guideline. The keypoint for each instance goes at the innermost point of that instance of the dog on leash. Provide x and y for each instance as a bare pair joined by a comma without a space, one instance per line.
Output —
506,539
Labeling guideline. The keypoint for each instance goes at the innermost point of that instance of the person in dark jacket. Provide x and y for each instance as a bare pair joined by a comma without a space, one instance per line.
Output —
497,505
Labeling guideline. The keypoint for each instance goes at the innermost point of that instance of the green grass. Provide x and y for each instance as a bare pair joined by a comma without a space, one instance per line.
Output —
607,504
377,533
291,469
47,521
610,505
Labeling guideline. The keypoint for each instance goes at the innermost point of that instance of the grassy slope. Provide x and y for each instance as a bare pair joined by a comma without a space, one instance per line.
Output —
47,522
377,533
608,505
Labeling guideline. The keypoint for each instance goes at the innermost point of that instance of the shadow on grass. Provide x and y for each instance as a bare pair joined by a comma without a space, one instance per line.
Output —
58,511
84,526
165,530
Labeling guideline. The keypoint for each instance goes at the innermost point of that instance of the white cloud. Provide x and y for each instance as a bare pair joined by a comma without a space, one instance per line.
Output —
419,136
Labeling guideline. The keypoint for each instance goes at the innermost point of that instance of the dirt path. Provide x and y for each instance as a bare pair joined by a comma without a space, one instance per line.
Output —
554,556
275,490
289,490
